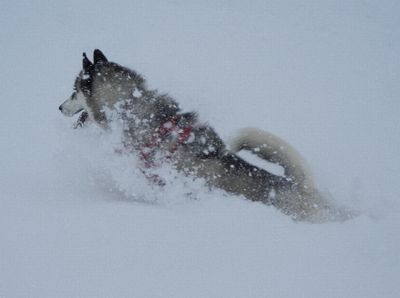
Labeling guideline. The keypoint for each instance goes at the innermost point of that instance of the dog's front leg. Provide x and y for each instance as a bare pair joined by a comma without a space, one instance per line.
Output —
81,120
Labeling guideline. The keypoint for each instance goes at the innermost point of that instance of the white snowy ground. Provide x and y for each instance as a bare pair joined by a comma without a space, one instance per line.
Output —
323,75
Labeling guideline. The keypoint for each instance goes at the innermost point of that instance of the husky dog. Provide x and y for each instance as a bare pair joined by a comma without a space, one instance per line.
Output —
154,125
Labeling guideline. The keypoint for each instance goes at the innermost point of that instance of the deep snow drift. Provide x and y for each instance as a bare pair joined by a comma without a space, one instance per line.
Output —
78,220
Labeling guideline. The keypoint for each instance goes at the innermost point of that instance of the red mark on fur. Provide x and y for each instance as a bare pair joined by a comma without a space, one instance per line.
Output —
169,127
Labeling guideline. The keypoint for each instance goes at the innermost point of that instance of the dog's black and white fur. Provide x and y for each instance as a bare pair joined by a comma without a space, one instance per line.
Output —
154,125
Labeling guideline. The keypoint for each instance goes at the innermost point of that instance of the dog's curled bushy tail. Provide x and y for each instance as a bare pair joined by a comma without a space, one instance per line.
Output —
272,148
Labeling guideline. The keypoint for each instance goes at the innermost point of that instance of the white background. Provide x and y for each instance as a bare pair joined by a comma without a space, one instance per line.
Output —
77,221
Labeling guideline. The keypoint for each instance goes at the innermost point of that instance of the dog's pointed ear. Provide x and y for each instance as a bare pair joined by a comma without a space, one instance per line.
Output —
86,63
98,56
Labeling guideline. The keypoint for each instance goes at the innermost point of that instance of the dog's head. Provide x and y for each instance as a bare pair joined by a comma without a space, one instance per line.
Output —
83,85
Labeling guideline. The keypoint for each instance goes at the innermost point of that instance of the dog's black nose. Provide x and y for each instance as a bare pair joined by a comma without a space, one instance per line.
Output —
60,108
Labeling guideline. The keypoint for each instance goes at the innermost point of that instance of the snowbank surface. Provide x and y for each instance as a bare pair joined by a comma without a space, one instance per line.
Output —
78,220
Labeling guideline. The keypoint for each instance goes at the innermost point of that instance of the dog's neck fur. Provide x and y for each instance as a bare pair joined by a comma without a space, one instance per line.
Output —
123,91
111,83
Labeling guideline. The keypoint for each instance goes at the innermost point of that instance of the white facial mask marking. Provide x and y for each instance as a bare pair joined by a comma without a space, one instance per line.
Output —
73,105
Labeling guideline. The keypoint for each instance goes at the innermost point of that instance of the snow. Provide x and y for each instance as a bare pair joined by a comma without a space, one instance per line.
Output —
76,219
136,93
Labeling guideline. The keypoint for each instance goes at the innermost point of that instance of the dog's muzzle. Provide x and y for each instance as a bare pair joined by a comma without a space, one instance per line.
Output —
70,107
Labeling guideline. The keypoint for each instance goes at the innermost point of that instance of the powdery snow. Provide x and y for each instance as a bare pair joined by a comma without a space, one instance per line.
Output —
76,219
